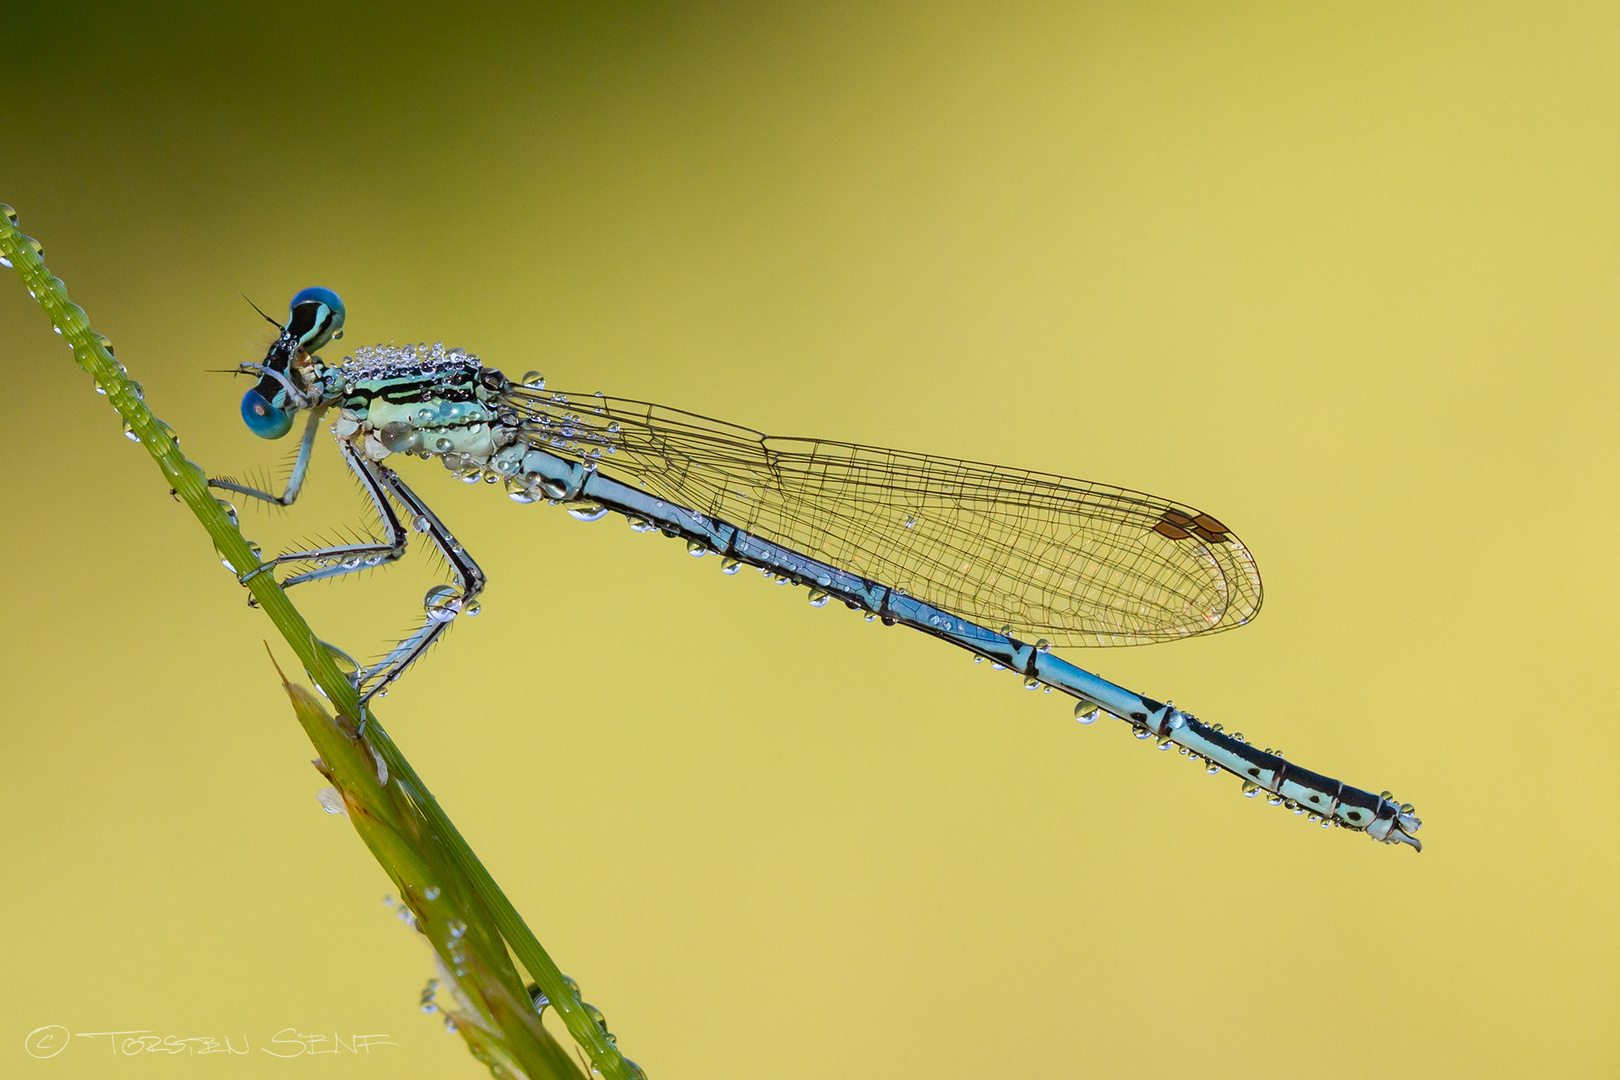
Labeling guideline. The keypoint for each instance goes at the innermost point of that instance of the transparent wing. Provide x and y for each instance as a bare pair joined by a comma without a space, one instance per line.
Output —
1075,562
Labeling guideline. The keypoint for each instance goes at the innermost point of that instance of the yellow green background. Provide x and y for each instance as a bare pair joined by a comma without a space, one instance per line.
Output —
1346,279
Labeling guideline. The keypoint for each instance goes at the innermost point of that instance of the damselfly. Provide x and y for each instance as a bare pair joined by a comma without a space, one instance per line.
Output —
1001,562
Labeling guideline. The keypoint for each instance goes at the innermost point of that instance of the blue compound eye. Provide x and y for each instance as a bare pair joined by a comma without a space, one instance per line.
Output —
315,317
264,419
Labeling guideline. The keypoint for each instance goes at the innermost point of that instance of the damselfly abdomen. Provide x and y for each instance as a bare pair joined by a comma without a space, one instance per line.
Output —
1001,562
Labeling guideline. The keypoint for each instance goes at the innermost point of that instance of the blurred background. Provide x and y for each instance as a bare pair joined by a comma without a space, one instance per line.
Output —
1345,279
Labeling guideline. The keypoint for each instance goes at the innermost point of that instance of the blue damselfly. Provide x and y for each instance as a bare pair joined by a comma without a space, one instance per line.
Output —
1004,563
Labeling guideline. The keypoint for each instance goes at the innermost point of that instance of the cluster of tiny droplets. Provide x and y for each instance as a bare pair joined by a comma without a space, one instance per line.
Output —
402,911
386,361
563,429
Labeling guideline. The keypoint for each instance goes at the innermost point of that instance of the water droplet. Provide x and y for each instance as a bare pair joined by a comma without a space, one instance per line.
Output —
343,661
431,892
1142,733
441,603
587,512
870,616
729,565
1043,645
11,215
1237,736
1086,712
230,511
1407,808
398,436
1386,796
1274,799
998,666
824,580
129,433
1031,682
910,521
818,598
1166,743
1210,767
456,928
534,380
1250,789
696,549
472,609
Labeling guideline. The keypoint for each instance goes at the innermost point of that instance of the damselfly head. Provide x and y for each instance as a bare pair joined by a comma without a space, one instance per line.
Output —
314,318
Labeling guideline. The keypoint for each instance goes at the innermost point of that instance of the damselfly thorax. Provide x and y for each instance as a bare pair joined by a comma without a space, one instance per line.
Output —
1002,562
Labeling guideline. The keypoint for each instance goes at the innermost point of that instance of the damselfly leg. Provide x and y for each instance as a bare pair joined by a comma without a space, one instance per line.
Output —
295,482
443,603
384,488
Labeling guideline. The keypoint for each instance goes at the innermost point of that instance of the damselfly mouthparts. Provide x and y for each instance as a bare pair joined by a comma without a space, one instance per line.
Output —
1001,562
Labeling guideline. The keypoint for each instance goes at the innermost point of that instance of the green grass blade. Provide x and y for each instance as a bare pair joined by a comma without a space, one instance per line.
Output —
190,484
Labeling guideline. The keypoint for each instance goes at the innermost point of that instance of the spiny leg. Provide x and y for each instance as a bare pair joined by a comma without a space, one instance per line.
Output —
295,482
443,604
347,558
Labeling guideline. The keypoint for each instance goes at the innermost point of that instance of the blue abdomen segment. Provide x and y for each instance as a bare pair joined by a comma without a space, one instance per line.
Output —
1332,800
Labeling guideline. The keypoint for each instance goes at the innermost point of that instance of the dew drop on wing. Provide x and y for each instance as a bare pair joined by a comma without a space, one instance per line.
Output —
534,380
587,512
818,598
729,566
